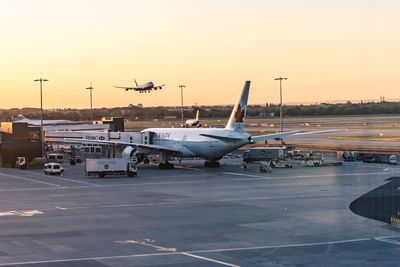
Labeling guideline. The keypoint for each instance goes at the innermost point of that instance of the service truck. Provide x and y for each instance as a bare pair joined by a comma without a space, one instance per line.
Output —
264,153
111,166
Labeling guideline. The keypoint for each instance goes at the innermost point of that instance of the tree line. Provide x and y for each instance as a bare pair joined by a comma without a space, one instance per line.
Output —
149,113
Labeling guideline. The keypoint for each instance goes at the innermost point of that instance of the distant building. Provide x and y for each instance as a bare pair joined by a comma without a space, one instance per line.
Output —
116,124
170,117
18,140
265,115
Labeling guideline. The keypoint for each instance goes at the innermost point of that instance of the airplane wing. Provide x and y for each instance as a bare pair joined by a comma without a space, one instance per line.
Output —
266,137
127,88
286,134
104,142
158,86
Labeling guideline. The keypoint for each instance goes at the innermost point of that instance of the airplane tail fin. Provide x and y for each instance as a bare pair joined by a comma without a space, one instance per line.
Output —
136,82
236,120
197,115
20,117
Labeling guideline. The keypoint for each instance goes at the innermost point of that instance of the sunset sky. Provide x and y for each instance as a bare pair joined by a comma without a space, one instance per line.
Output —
329,50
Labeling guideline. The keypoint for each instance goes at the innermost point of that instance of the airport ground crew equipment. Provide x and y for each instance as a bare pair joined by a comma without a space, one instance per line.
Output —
115,166
314,159
265,166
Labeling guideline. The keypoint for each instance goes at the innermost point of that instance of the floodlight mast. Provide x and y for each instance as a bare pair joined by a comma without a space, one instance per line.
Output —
91,103
182,86
280,105
41,80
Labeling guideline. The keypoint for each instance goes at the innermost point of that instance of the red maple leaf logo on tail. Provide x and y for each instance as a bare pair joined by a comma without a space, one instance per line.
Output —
239,114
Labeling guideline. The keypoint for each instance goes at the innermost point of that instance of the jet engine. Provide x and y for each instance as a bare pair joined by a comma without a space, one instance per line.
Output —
129,152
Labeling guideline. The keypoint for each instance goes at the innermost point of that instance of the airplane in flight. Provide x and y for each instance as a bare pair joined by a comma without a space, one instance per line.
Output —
210,144
193,122
146,87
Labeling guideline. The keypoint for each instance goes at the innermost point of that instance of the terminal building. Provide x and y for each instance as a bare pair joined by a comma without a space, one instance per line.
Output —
22,139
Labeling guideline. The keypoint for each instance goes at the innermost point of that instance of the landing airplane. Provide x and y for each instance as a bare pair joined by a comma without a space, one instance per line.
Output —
193,122
210,144
146,87
21,118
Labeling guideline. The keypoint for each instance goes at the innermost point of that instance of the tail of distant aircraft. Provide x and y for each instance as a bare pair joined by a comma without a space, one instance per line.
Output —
136,82
236,120
20,117
197,115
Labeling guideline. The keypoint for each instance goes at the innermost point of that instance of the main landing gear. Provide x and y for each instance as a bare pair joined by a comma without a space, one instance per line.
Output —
211,164
165,165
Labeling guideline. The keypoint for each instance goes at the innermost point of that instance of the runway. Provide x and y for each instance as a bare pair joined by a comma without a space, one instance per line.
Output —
192,216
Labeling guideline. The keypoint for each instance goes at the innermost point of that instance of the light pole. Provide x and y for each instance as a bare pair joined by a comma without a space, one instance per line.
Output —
41,80
91,103
182,86
280,106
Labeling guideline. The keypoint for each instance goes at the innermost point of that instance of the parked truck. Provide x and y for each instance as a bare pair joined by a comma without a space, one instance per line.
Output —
264,153
113,166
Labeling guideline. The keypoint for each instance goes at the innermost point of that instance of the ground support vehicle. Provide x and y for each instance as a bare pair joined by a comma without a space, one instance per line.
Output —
53,168
111,166
314,159
21,163
263,153
265,166
282,163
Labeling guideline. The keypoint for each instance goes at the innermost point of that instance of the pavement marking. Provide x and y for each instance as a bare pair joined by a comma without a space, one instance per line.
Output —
388,240
188,168
96,185
256,177
146,242
190,252
209,259
61,178
30,180
196,202
22,213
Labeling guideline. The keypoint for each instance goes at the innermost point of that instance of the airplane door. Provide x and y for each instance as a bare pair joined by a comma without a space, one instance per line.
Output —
148,138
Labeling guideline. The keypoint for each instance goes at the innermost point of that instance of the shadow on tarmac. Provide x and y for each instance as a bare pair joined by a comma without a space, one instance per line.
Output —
381,203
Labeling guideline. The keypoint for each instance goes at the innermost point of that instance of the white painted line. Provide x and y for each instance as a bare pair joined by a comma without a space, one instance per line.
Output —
30,180
60,178
244,174
146,242
133,205
305,176
209,259
188,168
22,213
281,246
387,240
96,185
189,252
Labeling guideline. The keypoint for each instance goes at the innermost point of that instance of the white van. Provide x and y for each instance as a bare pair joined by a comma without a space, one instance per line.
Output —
53,168
55,157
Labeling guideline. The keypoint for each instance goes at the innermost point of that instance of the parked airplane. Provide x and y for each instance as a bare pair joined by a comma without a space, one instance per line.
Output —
210,144
193,122
21,118
146,87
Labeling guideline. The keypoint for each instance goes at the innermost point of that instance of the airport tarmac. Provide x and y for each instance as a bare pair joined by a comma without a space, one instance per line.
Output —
192,216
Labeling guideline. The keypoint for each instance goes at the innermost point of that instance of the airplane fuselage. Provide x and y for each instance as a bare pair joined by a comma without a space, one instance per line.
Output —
192,142
146,86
